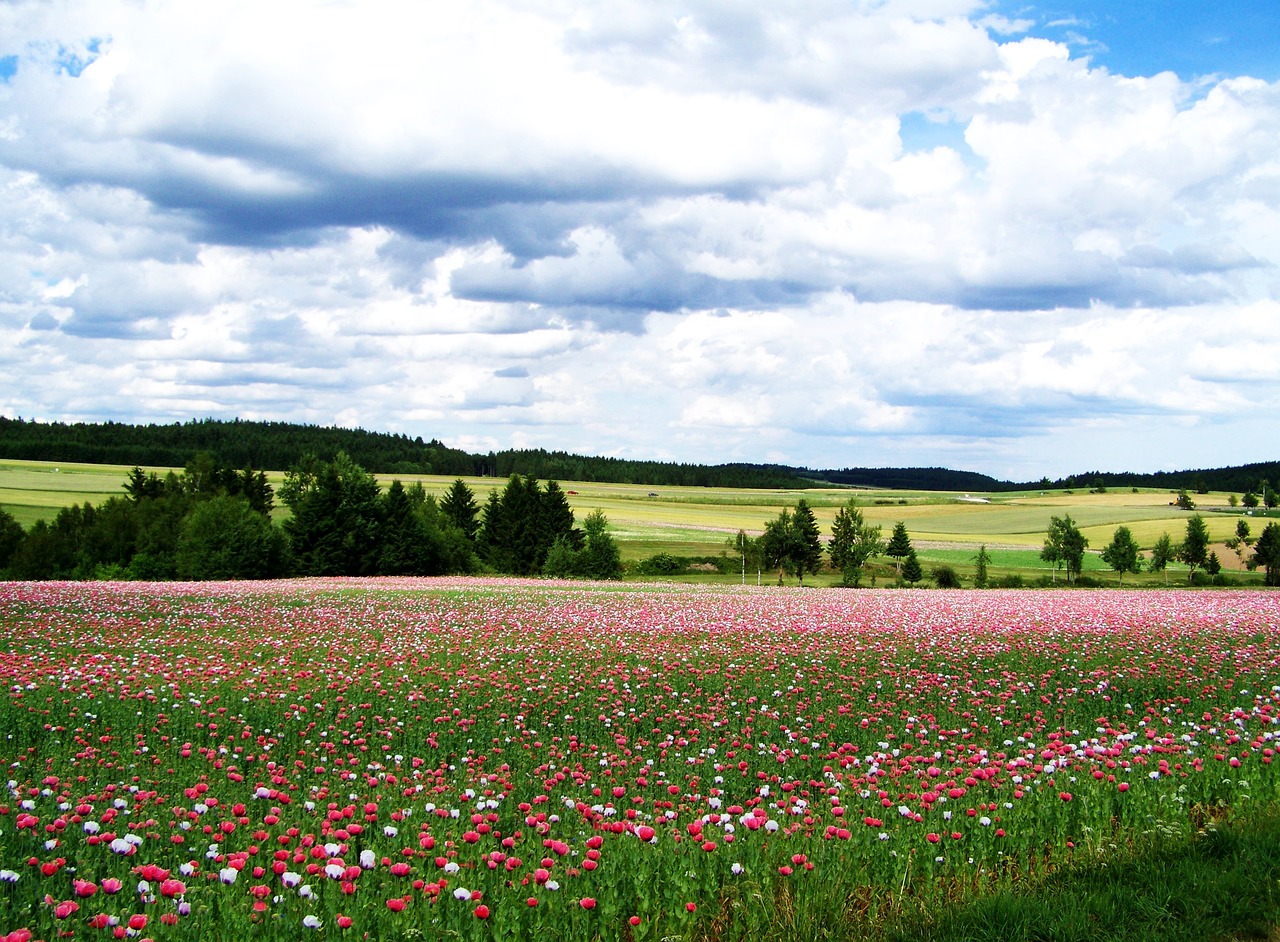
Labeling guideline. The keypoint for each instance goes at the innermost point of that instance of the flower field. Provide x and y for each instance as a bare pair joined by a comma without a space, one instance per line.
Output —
483,759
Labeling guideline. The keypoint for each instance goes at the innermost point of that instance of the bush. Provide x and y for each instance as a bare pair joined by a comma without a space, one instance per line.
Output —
944,577
1011,581
660,564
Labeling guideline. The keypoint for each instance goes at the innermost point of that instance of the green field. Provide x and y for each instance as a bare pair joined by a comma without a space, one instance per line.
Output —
946,528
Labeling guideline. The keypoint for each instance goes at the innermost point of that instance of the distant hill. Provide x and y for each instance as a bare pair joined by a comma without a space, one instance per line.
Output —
1239,479
916,479
280,445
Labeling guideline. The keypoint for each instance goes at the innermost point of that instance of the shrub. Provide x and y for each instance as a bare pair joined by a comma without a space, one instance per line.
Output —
660,564
1011,581
944,577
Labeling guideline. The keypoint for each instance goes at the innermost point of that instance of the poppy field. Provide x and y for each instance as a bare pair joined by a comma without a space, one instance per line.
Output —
493,759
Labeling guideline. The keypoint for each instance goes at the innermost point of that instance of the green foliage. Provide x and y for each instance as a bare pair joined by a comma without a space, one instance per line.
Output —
748,553
225,538
806,541
981,561
899,546
1121,554
791,542
406,544
776,543
1266,553
600,558
1194,549
853,543
562,560
521,525
1218,883
911,569
1184,501
1162,554
1064,546
660,564
944,577
336,515
11,535
459,506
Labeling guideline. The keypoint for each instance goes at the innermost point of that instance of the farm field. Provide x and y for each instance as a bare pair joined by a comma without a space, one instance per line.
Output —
697,521
497,759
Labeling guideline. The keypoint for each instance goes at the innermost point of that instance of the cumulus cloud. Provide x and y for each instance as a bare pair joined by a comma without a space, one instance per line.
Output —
908,231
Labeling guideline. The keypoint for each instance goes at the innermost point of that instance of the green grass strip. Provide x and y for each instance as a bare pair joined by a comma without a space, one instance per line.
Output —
1222,885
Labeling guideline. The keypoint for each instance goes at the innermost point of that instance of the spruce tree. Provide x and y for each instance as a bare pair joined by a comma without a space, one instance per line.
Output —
899,545
806,541
459,507
911,569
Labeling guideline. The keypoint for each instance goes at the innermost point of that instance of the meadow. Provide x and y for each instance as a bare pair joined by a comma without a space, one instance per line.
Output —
495,759
946,528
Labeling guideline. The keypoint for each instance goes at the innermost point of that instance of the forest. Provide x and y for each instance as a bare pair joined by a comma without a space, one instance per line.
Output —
276,445
212,521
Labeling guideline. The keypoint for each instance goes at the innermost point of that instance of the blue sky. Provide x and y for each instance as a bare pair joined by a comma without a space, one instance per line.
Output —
1144,37
1016,238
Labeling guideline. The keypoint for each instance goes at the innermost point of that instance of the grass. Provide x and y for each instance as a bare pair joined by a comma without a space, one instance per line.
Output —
1213,886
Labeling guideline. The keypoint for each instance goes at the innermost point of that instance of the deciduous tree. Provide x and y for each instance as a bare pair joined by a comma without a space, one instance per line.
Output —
226,538
1064,546
1194,549
1162,553
1121,554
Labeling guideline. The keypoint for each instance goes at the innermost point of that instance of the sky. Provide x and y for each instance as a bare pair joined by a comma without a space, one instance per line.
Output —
1016,238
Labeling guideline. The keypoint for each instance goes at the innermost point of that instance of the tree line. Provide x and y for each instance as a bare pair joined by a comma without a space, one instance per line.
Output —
212,521
1122,554
279,445
791,543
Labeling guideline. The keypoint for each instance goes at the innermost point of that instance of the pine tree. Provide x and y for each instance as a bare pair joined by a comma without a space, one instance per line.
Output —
911,569
853,543
899,545
459,507
806,541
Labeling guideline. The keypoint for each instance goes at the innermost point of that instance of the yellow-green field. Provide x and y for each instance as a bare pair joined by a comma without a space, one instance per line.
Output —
698,521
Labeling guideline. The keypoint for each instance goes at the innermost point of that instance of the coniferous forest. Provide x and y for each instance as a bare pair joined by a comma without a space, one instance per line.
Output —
278,445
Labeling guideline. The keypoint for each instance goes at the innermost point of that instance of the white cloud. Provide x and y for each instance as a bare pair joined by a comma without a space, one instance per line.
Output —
690,231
